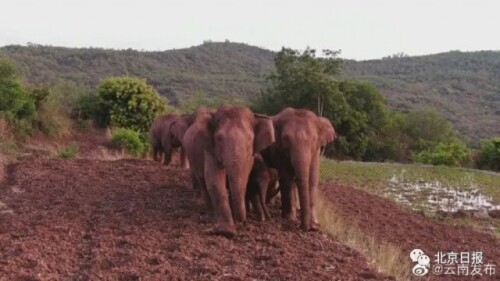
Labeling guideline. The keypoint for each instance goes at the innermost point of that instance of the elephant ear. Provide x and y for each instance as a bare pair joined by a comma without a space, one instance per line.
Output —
326,132
180,126
263,133
174,131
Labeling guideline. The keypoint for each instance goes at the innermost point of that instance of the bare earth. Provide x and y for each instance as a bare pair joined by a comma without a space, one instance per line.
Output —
408,230
138,220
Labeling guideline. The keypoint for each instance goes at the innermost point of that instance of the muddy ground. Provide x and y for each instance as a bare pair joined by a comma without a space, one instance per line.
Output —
138,220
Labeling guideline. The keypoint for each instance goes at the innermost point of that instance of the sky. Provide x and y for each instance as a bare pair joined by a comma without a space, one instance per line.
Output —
360,29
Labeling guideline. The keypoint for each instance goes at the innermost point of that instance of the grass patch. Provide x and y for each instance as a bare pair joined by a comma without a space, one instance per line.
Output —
374,177
423,188
386,258
69,152
9,147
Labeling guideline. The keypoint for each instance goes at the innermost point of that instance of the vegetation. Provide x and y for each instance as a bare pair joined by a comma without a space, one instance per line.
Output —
423,188
69,152
388,258
129,141
130,103
462,86
366,129
223,70
302,80
489,156
16,106
375,177
450,154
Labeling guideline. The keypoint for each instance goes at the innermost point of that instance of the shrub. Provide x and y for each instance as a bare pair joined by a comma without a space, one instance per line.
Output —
449,154
489,156
129,141
53,114
130,103
16,106
69,152
88,108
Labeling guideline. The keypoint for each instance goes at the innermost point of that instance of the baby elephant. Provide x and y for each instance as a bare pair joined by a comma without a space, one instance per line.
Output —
262,187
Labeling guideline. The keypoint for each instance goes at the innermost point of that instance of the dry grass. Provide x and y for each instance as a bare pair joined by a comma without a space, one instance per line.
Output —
385,258
5,129
105,154
4,161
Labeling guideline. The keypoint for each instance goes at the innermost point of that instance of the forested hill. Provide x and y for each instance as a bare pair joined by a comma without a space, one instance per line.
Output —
221,69
463,86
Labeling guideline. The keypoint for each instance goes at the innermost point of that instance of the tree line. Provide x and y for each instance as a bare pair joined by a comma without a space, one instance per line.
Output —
367,129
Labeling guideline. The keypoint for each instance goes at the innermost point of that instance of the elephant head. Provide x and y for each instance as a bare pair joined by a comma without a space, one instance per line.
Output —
176,131
158,128
167,133
235,135
299,136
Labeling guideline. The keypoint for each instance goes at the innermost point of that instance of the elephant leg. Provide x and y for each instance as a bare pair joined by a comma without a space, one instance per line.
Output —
286,183
196,184
206,196
167,155
215,178
247,204
314,190
263,187
238,178
184,160
156,154
257,206
301,162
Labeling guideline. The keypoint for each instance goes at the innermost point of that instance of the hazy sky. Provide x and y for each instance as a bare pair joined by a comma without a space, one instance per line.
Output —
361,29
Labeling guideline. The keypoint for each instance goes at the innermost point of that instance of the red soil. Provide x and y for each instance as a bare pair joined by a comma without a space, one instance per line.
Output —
138,220
408,230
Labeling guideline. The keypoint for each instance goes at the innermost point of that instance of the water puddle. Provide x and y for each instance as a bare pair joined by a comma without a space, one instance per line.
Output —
435,196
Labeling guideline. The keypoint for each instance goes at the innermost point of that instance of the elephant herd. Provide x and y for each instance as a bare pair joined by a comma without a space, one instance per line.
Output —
236,158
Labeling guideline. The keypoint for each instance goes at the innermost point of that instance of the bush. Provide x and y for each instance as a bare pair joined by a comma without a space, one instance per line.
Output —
449,154
53,111
489,156
16,106
69,152
130,103
129,141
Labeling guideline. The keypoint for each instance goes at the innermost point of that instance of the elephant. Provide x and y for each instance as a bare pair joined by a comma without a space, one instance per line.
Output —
261,188
300,134
167,133
236,134
194,145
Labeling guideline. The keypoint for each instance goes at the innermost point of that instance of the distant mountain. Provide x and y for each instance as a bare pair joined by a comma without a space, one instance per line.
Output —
463,86
218,69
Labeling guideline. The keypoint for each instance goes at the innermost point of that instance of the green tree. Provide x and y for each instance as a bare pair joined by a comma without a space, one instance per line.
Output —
449,154
427,129
15,104
361,126
130,103
489,156
302,80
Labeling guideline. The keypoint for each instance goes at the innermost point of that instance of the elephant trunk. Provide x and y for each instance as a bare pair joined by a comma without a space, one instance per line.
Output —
301,161
238,177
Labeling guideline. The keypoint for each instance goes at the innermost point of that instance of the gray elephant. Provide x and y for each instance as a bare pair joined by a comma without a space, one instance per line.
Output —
296,153
194,144
235,135
262,187
166,135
